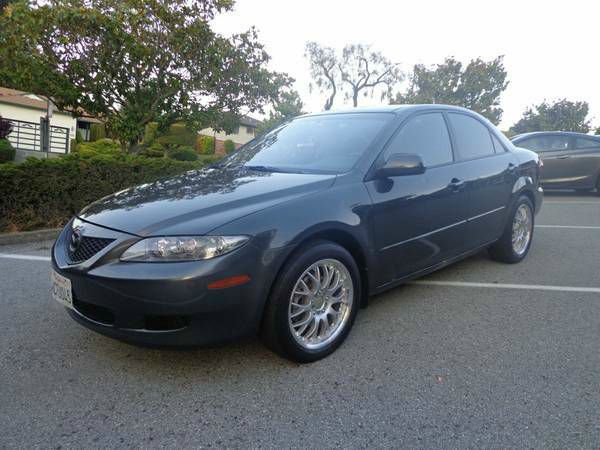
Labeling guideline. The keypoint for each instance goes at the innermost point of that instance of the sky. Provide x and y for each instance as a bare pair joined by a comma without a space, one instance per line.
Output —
550,47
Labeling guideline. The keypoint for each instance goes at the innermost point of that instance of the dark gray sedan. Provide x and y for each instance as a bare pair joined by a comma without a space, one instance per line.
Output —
289,235
571,160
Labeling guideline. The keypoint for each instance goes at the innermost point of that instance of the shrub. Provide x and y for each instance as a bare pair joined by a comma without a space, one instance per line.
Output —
183,153
229,146
178,135
150,132
100,147
153,151
97,131
5,128
205,145
42,193
7,151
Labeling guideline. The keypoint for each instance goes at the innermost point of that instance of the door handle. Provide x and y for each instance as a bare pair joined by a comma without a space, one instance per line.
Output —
456,184
563,157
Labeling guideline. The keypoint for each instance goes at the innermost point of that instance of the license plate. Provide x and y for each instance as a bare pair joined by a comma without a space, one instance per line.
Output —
61,290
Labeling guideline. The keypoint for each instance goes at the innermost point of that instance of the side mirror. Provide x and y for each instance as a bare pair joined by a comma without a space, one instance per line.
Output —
399,164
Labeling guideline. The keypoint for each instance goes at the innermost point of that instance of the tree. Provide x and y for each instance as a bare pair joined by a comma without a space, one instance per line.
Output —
477,86
562,115
364,70
132,62
6,128
4,4
324,70
287,106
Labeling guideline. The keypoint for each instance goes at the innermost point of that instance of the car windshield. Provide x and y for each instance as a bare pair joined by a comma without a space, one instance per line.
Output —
318,144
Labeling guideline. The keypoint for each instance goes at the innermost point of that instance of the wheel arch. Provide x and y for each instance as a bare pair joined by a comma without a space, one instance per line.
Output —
341,237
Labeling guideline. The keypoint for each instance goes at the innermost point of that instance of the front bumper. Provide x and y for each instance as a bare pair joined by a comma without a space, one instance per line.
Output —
164,304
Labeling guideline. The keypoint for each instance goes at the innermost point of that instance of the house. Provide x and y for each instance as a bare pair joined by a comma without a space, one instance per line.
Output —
25,110
244,132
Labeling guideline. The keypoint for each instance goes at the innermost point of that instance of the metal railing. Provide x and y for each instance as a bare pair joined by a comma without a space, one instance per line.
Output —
27,136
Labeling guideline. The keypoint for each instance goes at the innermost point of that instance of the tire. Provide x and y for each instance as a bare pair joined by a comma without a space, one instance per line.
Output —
504,250
282,316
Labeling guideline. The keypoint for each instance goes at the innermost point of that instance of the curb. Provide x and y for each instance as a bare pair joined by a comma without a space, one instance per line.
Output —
29,236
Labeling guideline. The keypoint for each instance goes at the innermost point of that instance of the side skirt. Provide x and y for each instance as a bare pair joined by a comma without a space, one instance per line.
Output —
428,270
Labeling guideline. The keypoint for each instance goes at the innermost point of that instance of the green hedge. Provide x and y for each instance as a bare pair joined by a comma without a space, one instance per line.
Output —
43,193
229,146
205,145
7,151
183,153
178,134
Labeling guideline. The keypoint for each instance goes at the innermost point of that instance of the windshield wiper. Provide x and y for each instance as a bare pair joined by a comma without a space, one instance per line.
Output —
271,169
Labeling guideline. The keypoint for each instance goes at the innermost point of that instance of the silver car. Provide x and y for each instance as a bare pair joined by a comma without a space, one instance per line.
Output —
571,160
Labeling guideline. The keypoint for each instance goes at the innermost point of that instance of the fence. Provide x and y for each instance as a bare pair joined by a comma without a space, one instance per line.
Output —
27,136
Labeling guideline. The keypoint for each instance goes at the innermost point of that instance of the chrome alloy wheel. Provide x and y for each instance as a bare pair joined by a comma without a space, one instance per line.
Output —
522,229
320,304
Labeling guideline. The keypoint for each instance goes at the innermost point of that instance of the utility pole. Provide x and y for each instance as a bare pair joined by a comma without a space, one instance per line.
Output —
45,129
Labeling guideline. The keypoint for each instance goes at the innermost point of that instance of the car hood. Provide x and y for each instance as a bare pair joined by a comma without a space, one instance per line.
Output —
199,201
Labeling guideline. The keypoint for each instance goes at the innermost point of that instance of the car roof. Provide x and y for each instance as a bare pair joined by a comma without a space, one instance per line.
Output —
390,109
554,133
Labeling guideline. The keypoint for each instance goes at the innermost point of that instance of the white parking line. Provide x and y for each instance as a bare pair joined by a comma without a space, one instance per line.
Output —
530,287
575,202
534,287
574,227
27,257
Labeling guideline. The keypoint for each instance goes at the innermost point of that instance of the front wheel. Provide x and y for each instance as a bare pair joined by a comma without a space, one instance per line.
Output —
313,303
514,244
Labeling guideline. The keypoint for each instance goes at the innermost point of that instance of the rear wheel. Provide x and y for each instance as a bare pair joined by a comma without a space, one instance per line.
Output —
515,242
313,303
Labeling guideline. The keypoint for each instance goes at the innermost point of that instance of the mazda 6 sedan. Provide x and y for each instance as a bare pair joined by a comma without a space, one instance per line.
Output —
289,236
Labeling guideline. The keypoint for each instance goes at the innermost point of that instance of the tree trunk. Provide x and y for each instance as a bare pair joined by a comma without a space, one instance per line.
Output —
355,98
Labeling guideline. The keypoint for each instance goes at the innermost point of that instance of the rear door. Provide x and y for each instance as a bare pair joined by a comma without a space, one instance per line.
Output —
583,162
489,172
418,220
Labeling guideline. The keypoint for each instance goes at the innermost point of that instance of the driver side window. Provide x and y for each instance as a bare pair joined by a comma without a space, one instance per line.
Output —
425,135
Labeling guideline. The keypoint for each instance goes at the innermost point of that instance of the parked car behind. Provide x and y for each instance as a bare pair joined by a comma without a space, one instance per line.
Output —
571,160
289,235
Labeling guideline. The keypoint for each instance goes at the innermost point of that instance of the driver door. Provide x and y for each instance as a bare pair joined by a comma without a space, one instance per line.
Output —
418,221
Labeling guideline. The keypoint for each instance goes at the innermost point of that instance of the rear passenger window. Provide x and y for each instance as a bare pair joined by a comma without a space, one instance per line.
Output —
546,143
427,136
473,139
497,144
586,143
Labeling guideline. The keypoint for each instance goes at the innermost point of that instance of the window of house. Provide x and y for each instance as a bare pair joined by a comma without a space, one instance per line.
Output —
250,130
473,139
425,135
83,128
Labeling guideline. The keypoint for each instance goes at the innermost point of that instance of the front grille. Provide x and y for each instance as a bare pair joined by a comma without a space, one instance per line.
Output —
87,247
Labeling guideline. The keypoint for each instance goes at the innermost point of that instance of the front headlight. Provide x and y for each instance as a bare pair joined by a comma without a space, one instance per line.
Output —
182,248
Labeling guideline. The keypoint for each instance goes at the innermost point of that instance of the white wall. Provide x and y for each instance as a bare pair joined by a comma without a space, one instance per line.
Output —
16,112
239,138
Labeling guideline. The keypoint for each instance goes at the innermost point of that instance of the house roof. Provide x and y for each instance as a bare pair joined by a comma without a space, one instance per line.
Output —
21,98
250,121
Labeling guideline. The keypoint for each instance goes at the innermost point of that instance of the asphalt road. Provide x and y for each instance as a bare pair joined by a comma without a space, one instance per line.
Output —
429,366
